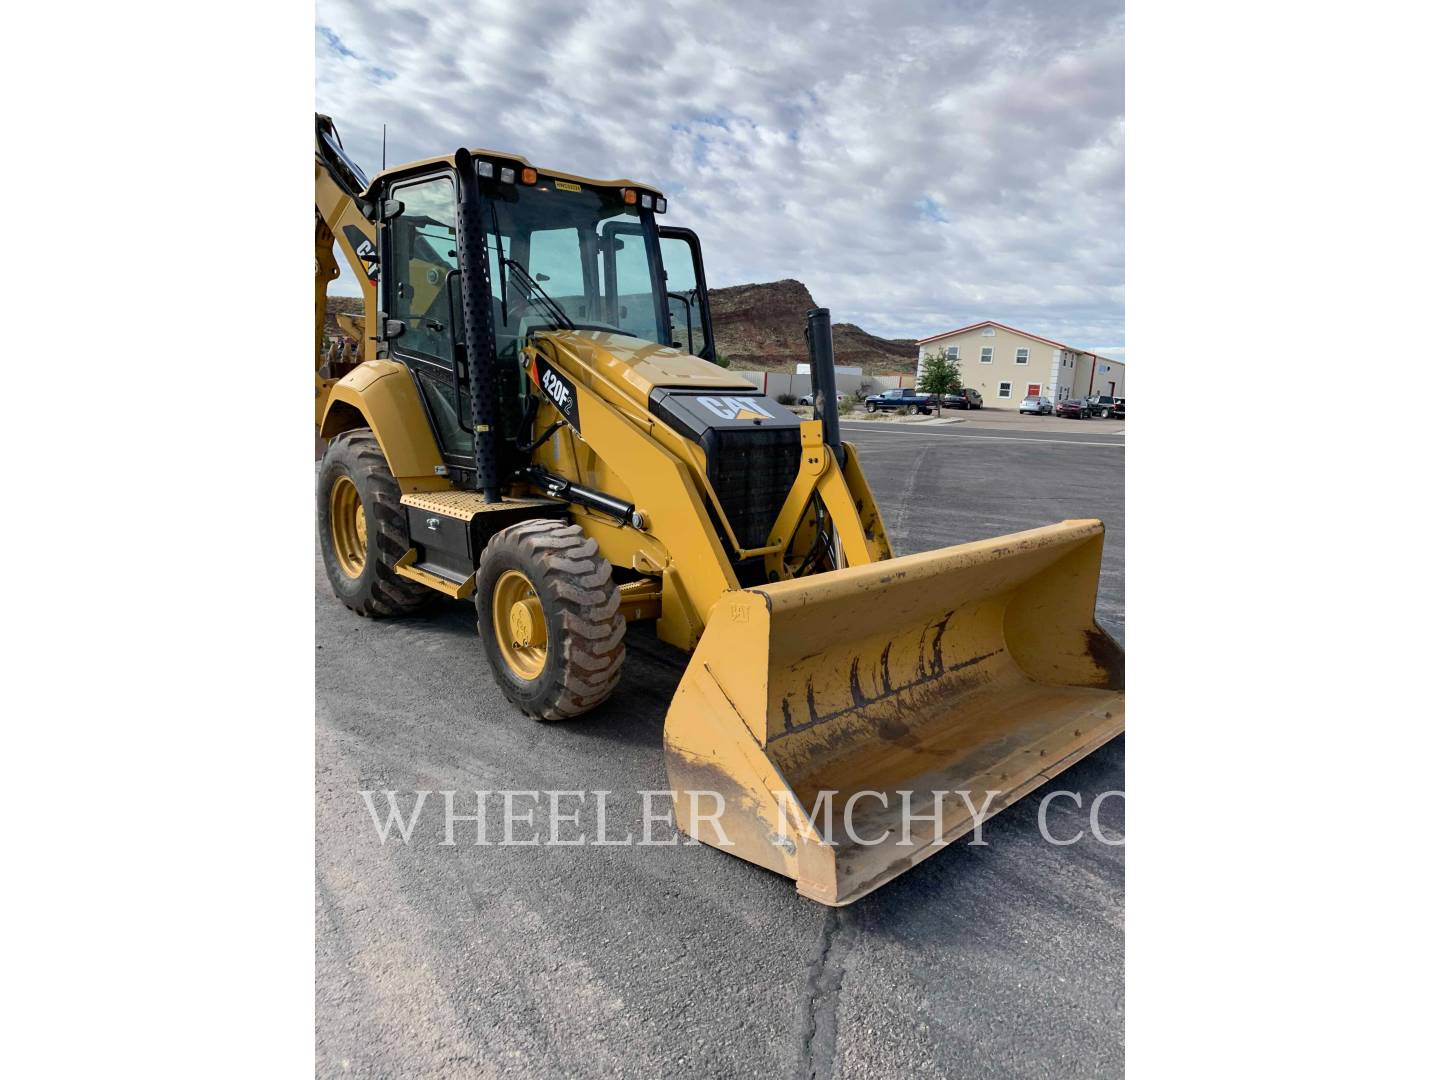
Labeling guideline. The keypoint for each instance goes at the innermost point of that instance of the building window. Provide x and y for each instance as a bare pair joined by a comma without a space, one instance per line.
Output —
987,354
989,331
952,352
1022,356
1004,389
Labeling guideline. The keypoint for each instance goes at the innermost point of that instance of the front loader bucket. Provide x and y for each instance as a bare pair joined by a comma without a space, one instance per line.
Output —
975,668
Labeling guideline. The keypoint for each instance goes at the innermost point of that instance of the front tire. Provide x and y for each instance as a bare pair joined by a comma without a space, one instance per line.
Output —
362,528
549,616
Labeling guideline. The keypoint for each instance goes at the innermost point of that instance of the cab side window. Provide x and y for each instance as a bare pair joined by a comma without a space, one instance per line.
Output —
422,259
689,310
682,295
421,285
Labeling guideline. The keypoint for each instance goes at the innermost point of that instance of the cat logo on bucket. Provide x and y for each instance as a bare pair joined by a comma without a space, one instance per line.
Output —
736,408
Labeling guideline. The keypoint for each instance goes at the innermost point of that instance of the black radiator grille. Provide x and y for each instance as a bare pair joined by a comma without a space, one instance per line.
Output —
752,470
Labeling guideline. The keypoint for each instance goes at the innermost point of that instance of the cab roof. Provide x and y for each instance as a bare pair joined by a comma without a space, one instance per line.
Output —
504,158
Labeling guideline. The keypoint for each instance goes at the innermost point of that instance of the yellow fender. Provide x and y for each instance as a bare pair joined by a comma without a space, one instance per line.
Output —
381,395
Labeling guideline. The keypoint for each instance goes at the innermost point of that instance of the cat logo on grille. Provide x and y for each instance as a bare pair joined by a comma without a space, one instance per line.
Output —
736,408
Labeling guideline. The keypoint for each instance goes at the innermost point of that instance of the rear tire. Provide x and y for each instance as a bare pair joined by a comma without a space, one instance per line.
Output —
362,528
577,665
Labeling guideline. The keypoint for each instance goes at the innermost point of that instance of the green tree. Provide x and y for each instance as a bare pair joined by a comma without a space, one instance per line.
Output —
939,375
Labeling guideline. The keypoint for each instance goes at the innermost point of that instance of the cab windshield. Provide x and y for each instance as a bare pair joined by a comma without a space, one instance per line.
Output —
567,255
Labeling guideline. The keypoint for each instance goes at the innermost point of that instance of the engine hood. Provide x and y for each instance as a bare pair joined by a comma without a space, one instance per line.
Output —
639,366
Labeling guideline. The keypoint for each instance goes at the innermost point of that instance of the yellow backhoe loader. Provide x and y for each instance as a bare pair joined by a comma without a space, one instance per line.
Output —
536,420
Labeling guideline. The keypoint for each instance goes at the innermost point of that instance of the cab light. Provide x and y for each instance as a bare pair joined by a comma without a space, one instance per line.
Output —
527,176
507,176
629,196
659,206
646,201
485,169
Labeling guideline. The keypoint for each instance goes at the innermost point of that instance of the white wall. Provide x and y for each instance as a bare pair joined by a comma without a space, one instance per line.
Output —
847,380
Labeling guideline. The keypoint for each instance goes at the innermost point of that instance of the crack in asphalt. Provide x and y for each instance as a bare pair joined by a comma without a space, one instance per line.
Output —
819,1005
898,529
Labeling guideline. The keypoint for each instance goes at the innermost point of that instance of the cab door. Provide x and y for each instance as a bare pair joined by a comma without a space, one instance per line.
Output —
685,293
420,296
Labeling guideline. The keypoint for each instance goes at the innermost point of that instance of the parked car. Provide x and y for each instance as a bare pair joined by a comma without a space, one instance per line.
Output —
906,401
809,399
1074,409
964,399
1119,408
1040,406
1101,405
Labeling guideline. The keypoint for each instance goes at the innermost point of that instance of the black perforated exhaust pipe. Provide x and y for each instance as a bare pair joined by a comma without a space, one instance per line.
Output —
822,378
479,334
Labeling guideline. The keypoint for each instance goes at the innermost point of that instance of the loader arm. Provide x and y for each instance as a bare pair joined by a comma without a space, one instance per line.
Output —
611,439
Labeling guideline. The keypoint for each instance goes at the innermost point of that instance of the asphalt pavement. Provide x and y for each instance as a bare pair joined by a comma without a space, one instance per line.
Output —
681,961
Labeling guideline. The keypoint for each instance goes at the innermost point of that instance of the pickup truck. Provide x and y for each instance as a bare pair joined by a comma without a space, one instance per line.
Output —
1102,405
906,401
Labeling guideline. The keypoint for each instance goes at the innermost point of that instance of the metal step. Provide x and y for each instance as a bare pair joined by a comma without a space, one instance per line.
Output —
449,529
466,505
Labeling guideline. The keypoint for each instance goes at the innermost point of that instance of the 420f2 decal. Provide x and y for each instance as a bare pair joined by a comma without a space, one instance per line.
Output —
559,390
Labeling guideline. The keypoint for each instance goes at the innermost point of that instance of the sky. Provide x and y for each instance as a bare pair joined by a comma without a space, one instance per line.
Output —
920,166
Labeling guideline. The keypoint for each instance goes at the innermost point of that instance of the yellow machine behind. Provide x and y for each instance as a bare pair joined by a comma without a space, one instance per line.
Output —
572,459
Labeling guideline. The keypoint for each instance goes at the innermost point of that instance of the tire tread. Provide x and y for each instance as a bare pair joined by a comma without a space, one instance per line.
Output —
591,645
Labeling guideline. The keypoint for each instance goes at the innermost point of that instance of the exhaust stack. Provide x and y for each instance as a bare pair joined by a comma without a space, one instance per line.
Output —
822,378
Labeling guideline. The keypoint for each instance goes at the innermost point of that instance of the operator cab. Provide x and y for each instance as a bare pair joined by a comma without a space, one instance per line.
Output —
560,252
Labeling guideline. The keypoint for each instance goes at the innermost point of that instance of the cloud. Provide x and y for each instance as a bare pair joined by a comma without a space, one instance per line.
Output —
919,166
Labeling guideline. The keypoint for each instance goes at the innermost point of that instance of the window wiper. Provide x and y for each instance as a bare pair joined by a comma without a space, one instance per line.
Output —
534,291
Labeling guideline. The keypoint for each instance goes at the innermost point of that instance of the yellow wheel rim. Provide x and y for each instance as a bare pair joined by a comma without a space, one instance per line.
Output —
518,622
347,526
